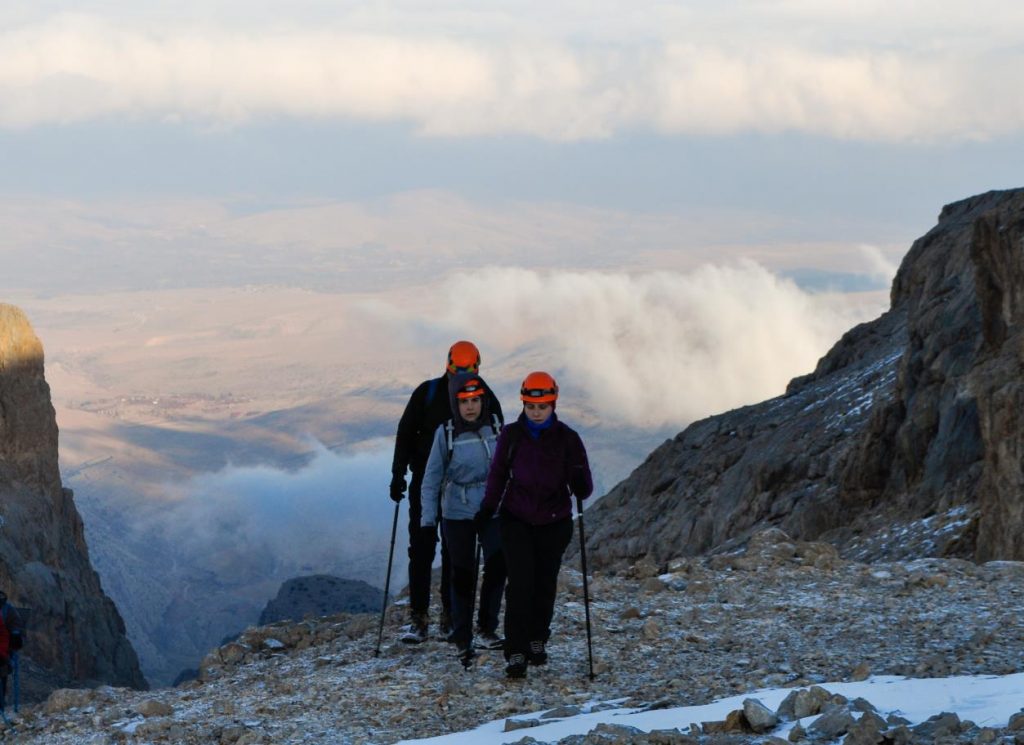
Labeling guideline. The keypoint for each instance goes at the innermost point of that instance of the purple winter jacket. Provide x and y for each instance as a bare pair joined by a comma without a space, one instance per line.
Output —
544,473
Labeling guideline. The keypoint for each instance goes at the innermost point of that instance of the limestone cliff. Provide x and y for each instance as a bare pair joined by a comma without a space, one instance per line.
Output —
75,634
907,439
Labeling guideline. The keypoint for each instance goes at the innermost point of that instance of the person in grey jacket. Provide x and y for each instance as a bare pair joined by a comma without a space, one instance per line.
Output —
454,480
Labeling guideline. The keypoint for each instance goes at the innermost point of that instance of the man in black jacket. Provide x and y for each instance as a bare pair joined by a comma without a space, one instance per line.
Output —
428,408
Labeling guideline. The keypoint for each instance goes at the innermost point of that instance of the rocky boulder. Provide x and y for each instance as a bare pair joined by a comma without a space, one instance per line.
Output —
75,635
321,595
907,439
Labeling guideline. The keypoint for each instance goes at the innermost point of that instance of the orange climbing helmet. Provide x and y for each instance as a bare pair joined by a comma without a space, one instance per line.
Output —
538,388
463,357
472,388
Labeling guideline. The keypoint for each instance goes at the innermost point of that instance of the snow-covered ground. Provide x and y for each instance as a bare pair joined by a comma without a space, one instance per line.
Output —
986,700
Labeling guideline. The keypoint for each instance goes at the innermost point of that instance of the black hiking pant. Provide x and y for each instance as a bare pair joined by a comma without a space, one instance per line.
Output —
533,556
492,588
422,549
461,537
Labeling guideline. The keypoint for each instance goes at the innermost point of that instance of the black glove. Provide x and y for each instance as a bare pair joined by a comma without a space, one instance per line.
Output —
16,641
483,518
397,488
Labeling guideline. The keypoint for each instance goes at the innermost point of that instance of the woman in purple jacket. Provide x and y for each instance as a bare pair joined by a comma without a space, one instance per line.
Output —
539,463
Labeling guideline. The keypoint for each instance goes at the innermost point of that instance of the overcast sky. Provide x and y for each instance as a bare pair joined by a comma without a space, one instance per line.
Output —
869,114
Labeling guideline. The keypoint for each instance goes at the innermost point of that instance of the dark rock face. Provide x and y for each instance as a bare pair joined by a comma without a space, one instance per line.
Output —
910,426
321,595
75,634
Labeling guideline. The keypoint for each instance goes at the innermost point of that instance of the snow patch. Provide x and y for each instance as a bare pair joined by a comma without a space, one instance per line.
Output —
987,700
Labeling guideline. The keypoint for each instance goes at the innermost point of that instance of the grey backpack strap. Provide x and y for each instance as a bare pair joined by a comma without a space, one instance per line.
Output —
449,435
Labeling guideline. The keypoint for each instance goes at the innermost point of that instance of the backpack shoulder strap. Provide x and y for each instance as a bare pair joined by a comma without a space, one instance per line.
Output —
431,392
515,434
495,425
449,436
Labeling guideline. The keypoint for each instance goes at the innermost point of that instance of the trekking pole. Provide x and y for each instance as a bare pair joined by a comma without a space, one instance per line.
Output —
476,578
16,665
472,594
586,589
387,581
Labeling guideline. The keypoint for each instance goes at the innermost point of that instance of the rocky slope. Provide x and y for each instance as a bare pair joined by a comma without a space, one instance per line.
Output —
916,414
75,634
780,613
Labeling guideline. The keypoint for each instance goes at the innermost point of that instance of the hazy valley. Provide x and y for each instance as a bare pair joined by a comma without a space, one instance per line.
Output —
221,438
211,467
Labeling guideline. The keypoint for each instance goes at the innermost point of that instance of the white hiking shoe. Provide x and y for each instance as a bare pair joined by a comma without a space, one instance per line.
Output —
414,633
489,640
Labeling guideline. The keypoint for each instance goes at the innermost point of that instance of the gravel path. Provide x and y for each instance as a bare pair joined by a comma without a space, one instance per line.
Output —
781,613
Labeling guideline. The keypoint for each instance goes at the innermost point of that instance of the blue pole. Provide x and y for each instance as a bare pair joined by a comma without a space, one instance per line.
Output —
16,665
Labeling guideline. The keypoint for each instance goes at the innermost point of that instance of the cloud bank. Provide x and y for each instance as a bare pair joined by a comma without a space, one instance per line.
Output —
654,349
251,523
678,73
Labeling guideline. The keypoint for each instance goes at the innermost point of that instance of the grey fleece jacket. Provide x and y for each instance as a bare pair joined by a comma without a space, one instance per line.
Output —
462,480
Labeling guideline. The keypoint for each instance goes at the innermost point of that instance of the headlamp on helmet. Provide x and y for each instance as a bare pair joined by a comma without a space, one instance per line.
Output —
472,389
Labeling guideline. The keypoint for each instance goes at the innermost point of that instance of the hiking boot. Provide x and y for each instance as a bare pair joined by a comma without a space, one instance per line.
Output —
537,655
415,632
466,655
516,667
489,640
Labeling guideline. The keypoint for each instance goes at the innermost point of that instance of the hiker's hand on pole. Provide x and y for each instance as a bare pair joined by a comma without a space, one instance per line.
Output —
578,482
397,488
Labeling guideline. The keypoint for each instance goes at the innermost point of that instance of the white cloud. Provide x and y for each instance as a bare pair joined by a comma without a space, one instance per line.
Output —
879,265
659,348
490,74
332,515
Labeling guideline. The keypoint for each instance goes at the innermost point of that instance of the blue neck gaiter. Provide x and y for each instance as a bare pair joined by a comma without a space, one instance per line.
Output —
536,429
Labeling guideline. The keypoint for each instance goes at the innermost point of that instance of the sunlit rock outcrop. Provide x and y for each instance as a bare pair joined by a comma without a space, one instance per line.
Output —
75,634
